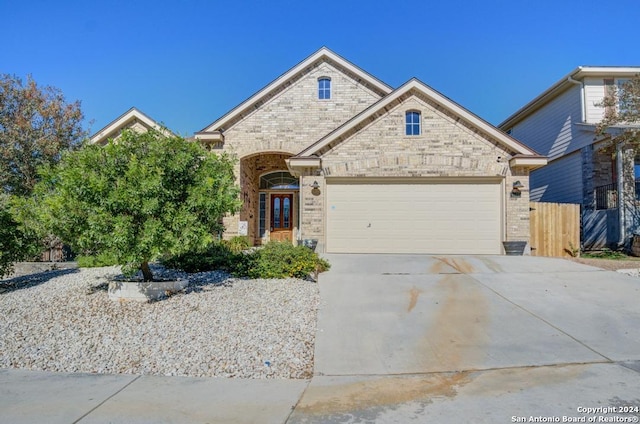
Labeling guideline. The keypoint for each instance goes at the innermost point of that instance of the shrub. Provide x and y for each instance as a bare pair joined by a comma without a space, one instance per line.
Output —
274,260
238,243
215,256
10,241
17,242
281,260
94,261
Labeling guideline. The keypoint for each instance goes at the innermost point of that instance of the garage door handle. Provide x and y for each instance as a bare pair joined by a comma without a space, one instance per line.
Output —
369,226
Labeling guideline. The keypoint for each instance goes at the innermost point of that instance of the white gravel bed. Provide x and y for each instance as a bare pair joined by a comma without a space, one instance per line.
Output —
219,326
632,272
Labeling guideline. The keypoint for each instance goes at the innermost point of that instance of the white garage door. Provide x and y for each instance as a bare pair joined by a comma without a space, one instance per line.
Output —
387,217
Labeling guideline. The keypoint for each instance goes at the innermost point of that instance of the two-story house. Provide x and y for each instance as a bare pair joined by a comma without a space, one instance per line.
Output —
584,167
327,151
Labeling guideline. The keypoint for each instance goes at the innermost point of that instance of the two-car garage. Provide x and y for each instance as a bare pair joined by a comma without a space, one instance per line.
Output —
448,216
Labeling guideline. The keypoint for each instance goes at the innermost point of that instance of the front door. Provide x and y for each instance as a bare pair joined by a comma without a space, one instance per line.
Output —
281,217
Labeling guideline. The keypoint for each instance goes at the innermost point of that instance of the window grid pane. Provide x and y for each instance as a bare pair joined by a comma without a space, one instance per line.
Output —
412,121
285,212
276,213
324,89
263,213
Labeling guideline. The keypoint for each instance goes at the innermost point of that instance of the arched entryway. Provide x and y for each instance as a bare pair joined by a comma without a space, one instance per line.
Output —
270,198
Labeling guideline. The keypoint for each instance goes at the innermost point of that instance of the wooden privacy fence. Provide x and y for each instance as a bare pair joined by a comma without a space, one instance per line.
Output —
555,229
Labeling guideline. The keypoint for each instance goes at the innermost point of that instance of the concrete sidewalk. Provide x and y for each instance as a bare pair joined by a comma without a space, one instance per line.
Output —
39,397
478,339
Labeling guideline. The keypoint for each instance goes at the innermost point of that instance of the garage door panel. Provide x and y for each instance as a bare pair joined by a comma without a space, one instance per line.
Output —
414,218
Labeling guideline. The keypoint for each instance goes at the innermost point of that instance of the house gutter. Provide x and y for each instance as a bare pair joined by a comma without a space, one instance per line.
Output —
582,102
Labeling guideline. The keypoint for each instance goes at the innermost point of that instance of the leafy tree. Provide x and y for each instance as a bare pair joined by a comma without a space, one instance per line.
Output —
15,245
36,124
138,197
10,237
622,114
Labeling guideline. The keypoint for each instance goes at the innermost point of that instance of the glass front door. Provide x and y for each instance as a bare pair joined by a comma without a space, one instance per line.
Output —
281,217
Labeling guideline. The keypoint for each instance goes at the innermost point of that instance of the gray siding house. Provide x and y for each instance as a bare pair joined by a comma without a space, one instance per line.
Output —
561,124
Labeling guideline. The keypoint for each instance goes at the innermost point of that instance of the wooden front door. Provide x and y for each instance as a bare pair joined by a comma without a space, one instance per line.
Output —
281,217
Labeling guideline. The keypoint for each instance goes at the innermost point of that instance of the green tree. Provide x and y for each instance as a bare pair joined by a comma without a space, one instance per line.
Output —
136,198
15,245
10,237
36,125
622,114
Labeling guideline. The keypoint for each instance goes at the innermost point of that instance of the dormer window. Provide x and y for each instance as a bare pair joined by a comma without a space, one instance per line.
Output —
412,122
324,88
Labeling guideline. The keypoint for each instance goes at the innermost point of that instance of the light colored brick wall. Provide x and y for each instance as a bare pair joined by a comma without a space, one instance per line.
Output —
517,208
313,203
287,123
292,120
445,148
251,169
295,118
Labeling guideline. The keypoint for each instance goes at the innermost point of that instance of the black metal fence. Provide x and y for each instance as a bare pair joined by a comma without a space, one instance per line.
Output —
606,196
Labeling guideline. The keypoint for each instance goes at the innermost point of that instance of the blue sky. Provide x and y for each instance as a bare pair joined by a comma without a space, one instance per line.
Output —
186,63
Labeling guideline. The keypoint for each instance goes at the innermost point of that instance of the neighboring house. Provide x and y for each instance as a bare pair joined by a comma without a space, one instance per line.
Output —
561,123
132,119
329,152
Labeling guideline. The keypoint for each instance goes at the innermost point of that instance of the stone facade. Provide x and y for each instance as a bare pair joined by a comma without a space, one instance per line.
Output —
251,169
294,118
517,207
445,148
284,124
360,133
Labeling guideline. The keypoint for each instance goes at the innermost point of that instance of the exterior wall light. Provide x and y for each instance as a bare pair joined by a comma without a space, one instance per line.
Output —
517,186
315,188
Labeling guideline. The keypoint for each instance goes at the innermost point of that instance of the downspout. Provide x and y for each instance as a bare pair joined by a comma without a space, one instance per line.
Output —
300,202
583,112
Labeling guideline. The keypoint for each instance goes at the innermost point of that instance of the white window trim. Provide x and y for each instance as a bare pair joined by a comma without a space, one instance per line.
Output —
330,89
406,115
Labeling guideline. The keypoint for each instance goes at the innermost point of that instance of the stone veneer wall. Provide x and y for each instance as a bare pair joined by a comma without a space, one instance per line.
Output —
250,170
296,118
292,120
313,203
517,208
445,148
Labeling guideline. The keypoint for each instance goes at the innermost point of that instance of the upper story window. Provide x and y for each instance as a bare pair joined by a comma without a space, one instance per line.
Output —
324,88
412,122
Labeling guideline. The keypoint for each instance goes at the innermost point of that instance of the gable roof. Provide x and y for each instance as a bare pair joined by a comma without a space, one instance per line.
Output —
563,84
441,103
115,127
284,80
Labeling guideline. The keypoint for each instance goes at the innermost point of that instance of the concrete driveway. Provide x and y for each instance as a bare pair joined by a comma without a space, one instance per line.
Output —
473,339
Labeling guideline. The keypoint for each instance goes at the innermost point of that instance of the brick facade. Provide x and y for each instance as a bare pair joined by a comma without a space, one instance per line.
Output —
288,118
283,125
294,118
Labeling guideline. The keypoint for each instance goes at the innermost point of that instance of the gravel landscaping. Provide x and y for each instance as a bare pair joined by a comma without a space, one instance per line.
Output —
62,320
